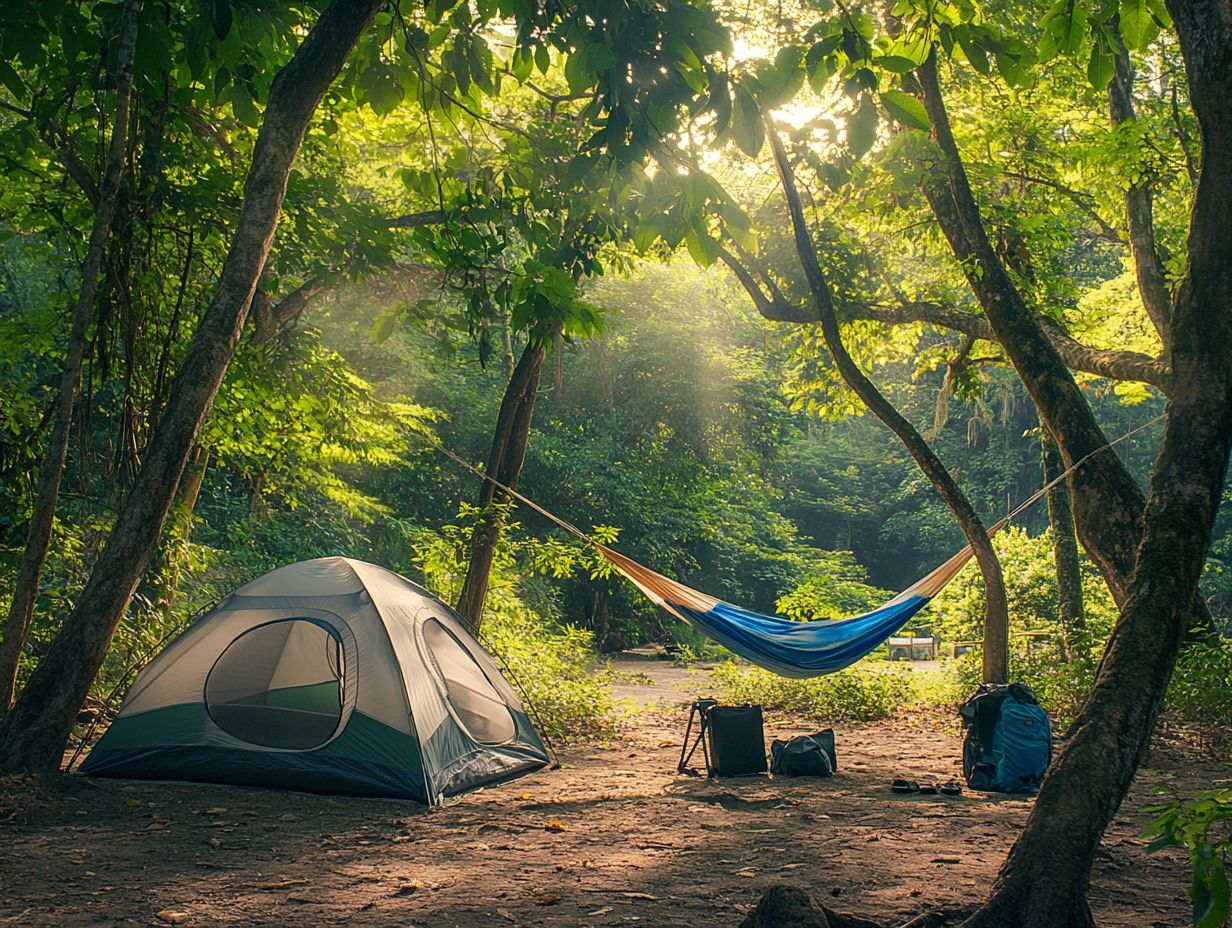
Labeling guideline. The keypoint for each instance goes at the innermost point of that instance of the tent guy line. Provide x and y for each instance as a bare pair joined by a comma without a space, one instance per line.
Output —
784,646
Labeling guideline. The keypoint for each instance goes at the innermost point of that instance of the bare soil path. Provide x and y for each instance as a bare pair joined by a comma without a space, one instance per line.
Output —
614,838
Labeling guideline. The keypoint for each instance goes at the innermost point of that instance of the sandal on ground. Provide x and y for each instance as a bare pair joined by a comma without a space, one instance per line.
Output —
904,786
928,789
950,789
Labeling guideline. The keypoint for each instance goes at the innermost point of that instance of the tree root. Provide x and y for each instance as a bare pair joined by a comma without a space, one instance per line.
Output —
790,907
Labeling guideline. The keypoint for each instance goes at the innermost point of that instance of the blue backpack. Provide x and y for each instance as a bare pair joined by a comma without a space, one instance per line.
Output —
1008,744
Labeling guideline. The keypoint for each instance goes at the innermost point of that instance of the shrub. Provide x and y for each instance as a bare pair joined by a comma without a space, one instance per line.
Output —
858,694
1203,826
1060,685
1201,688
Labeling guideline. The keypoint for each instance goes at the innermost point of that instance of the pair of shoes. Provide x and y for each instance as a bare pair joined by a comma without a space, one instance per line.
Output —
908,787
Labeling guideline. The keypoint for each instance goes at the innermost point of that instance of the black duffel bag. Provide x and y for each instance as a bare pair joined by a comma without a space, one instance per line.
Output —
804,756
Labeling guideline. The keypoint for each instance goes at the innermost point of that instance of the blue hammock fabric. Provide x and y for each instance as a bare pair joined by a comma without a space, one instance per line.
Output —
786,647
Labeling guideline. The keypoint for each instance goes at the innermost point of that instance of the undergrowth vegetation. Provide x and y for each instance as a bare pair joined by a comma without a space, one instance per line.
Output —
863,693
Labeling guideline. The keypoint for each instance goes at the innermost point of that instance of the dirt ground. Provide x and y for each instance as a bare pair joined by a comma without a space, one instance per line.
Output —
615,837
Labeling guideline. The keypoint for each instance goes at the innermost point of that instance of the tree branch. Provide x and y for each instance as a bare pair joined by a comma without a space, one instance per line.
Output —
429,217
1139,208
1101,362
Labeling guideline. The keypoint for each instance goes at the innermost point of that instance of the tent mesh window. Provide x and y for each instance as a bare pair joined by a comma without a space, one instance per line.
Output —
478,706
279,685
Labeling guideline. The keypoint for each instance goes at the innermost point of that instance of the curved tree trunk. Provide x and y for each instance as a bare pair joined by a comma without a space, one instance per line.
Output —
42,518
996,608
1064,547
33,734
505,460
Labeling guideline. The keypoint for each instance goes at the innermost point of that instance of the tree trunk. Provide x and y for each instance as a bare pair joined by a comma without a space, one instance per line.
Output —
1064,548
42,518
996,608
33,734
178,534
1108,502
1139,208
505,459
1044,881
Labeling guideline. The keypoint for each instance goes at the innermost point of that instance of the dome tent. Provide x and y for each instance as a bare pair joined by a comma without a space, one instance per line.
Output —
330,675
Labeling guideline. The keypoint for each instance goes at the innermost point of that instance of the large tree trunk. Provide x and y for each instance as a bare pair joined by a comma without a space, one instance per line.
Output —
42,517
33,734
996,609
1064,547
505,460
1044,881
1108,502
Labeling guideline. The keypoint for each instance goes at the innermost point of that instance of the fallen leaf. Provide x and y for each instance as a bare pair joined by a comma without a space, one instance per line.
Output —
406,889
158,824
172,916
547,900
281,884
213,842
641,896
555,825
217,810
602,911
506,915
289,817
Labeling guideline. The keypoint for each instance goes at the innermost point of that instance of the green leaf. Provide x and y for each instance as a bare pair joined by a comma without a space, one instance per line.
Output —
243,106
897,64
1100,66
702,248
220,17
747,129
1160,843
1210,893
862,127
905,108
12,80
1136,24
977,57
1160,12
1073,28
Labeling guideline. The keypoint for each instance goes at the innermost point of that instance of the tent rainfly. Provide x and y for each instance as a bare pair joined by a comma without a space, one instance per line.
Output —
330,675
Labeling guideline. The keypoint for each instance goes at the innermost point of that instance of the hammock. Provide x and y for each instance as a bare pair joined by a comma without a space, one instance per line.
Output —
785,646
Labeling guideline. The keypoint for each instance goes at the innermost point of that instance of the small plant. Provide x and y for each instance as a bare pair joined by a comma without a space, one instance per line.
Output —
1203,826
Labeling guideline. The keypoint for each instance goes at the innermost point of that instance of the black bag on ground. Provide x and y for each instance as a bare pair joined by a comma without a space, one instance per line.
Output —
737,741
731,738
1008,741
804,755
